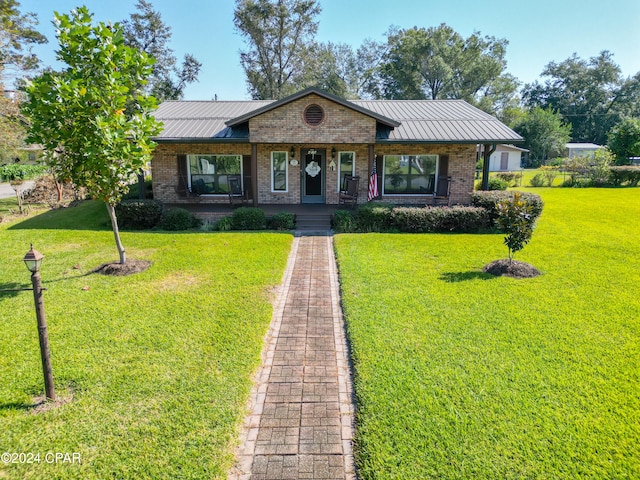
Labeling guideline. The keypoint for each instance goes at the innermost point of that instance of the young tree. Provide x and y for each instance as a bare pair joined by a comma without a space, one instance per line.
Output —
147,32
280,35
515,218
624,140
92,117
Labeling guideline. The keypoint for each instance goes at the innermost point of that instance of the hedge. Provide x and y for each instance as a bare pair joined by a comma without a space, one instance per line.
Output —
629,174
411,219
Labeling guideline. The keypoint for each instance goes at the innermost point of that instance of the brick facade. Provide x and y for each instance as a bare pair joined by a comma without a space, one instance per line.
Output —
282,128
286,124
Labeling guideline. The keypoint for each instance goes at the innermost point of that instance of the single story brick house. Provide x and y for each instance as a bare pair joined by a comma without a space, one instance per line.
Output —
297,150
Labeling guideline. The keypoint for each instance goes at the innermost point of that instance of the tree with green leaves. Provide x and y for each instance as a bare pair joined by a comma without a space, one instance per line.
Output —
515,218
439,63
592,95
146,31
17,36
624,140
280,35
545,134
92,117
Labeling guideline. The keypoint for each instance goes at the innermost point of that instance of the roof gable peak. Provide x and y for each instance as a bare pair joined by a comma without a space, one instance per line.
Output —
305,93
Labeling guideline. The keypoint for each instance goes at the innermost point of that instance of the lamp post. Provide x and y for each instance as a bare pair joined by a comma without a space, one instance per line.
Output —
33,261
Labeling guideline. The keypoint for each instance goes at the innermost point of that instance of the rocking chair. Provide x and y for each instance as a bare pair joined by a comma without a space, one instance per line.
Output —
349,193
442,195
236,195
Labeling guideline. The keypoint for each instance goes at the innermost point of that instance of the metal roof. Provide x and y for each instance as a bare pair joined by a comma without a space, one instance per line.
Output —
586,146
203,120
399,121
440,121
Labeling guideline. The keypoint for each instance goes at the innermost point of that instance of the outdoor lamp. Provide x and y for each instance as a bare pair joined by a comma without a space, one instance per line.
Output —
333,152
292,152
33,260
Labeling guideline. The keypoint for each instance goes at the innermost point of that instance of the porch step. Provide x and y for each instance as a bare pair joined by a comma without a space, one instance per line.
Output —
316,222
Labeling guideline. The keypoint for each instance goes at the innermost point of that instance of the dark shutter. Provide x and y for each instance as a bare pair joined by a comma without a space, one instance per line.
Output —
183,182
443,167
246,173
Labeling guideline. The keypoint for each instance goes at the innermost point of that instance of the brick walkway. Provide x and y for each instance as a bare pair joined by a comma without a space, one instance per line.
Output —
301,421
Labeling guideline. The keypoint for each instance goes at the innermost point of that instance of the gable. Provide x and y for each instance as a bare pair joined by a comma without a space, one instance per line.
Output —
312,119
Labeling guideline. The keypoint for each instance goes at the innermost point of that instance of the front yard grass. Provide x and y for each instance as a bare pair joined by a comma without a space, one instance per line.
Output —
158,363
462,375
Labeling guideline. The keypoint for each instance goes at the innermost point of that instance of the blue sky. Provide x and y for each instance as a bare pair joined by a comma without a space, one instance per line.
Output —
538,31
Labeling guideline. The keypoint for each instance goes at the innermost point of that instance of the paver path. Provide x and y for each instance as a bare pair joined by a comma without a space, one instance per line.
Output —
301,425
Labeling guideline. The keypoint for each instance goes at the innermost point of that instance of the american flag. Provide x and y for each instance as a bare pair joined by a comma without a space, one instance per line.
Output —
373,183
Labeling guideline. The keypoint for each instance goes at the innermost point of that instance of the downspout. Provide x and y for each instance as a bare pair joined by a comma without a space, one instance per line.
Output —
488,150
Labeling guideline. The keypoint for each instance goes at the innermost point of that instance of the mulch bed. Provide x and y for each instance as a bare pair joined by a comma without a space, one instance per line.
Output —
512,268
121,270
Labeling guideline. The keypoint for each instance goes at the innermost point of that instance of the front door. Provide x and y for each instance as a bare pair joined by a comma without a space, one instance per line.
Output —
313,175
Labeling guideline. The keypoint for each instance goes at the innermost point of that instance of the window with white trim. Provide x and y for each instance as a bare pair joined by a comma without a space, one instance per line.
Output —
409,174
279,171
346,166
208,174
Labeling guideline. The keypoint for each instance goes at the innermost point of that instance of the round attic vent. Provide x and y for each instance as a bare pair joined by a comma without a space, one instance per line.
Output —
313,115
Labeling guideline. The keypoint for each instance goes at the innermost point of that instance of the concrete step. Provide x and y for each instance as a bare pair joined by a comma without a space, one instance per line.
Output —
313,222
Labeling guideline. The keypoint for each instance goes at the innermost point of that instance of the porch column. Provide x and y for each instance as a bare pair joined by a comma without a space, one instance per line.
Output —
488,150
254,173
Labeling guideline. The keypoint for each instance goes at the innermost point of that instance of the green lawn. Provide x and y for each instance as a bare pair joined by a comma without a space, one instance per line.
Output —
159,363
461,375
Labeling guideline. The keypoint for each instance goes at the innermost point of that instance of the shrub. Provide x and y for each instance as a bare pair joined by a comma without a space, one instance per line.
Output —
549,173
176,219
139,214
412,219
490,200
373,217
16,171
497,184
625,174
440,219
282,221
516,219
223,224
511,178
248,218
537,180
342,221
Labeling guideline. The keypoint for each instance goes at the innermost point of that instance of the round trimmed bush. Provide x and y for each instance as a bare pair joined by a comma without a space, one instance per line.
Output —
176,219
248,218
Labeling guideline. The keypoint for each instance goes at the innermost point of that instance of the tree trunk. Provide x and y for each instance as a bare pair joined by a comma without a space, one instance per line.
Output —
116,233
58,188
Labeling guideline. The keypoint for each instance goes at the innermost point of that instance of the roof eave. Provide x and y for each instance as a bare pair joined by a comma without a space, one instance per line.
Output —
448,141
200,140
